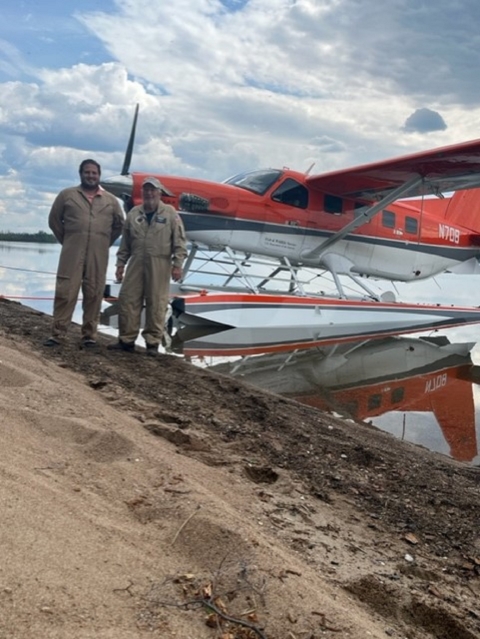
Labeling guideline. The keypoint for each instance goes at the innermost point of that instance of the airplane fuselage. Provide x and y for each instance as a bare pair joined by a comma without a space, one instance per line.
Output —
277,214
348,221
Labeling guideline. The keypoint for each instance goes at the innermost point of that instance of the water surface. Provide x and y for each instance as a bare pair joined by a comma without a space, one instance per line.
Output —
422,390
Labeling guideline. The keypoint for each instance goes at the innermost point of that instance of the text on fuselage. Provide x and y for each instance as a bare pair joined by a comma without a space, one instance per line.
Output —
449,233
437,382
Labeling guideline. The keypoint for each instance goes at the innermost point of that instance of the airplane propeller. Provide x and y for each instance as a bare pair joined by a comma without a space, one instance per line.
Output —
122,185
131,141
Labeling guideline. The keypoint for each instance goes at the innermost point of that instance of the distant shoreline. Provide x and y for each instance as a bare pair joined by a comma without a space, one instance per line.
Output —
39,237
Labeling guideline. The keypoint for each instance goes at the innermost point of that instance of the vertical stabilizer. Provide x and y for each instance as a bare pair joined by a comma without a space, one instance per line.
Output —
464,209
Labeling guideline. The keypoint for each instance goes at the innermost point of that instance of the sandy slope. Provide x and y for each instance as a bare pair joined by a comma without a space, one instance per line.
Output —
91,507
117,523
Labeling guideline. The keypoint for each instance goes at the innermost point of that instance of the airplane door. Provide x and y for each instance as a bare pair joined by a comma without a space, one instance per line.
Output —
327,215
285,220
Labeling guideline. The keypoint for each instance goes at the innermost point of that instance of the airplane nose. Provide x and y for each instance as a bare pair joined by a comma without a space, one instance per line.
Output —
118,185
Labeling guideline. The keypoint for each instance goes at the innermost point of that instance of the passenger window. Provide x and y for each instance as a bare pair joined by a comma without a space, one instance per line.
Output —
292,193
388,219
374,401
411,225
397,395
333,204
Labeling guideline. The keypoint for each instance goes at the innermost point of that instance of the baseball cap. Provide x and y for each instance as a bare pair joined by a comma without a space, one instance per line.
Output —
153,182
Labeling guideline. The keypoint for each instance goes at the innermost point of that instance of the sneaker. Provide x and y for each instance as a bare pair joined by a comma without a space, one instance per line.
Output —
51,341
128,347
152,350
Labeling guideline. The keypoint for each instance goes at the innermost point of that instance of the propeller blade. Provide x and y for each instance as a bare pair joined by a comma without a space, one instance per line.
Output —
129,151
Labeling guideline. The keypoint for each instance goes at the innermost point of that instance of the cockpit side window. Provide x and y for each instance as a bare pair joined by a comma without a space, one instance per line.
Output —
256,181
291,192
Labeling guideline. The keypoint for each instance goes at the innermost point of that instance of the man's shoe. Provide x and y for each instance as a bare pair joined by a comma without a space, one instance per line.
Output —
51,341
128,347
152,350
88,343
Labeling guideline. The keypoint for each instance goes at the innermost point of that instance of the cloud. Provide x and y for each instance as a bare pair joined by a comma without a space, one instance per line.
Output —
227,86
423,121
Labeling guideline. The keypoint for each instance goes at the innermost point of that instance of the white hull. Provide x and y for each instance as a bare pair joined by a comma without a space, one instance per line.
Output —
248,323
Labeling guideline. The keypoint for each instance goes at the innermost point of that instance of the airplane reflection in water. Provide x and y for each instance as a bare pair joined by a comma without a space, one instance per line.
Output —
427,381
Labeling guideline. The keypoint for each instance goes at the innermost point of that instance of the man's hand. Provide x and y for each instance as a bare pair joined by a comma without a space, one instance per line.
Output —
119,272
177,273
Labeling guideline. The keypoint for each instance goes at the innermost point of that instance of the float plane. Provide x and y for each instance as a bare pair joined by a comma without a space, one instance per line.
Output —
354,222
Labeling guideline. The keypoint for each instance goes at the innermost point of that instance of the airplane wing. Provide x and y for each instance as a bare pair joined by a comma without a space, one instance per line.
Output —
433,172
450,168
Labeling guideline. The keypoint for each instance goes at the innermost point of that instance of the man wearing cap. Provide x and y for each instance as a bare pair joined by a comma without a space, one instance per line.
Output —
154,247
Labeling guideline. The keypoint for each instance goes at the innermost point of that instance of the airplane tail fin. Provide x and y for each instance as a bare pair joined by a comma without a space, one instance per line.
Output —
463,209
460,209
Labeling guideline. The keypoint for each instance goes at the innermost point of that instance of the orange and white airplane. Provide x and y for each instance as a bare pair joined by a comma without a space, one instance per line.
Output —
354,222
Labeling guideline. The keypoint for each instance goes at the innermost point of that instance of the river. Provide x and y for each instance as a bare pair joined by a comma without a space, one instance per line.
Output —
423,391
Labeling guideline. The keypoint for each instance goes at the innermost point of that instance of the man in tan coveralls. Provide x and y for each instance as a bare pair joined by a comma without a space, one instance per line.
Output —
154,245
86,220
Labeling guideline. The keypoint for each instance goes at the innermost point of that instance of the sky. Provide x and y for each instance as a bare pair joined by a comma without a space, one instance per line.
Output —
225,86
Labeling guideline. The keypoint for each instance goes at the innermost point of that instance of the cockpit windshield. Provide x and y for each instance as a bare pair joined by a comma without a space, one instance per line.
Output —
255,181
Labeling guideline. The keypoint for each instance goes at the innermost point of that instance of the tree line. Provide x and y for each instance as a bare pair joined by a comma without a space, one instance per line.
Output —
40,236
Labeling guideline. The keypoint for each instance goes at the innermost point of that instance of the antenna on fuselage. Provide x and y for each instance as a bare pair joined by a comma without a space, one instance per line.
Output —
310,168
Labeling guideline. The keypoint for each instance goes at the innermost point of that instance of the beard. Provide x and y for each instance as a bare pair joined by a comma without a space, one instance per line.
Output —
90,185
